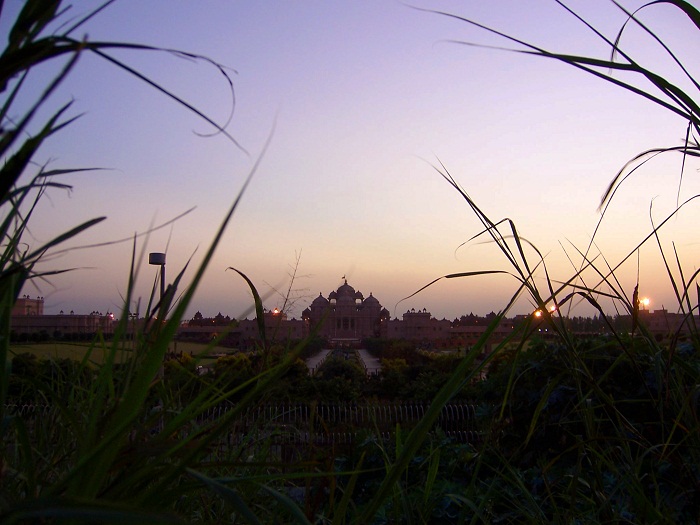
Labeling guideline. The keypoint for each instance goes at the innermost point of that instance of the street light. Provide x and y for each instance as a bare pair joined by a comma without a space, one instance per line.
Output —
158,259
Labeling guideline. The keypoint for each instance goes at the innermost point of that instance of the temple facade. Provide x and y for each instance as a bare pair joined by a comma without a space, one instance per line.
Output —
346,315
28,318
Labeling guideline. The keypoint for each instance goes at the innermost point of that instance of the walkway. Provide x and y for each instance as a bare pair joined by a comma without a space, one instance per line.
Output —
373,365
314,361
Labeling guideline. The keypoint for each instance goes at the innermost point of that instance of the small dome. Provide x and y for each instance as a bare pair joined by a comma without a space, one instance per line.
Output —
320,300
371,300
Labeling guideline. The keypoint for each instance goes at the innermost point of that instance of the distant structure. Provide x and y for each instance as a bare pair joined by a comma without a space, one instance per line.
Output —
663,324
417,325
28,319
25,305
345,316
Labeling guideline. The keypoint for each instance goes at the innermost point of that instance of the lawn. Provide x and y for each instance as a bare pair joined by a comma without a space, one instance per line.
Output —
77,351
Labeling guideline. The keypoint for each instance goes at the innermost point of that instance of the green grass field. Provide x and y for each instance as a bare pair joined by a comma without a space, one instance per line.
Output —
77,351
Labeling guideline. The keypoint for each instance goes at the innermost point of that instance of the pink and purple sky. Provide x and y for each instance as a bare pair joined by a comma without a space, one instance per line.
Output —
363,97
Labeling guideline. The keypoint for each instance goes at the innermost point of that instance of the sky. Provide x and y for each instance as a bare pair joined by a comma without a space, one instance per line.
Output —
360,102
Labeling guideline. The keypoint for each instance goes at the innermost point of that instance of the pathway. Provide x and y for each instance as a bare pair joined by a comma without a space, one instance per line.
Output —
373,365
314,361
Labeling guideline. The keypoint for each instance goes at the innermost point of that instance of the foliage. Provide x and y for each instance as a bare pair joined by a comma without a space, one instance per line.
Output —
574,430
591,430
602,419
425,491
113,444
339,379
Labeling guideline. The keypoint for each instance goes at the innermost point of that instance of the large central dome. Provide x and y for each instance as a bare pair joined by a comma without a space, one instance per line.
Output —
346,290
344,293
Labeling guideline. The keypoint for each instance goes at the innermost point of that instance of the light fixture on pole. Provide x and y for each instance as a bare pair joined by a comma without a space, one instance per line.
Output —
158,259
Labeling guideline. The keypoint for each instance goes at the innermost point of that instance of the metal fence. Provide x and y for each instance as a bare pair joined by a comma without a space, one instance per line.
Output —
453,416
311,423
344,423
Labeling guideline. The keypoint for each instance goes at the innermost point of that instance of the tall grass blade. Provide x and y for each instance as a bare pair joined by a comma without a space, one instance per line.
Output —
259,312
229,495
464,371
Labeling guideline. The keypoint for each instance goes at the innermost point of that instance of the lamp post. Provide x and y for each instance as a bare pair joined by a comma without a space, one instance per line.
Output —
158,259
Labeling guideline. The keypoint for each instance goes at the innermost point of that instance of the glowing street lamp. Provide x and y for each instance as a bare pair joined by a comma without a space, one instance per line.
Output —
158,259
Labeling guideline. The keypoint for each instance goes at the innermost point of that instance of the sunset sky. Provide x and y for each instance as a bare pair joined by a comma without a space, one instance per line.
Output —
362,98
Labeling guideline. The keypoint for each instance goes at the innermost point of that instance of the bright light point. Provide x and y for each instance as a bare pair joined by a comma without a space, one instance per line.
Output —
553,308
538,313
645,302
275,311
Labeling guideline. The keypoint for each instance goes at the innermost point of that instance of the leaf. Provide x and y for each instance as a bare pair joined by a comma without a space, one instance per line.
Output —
32,19
259,312
288,504
229,495
77,230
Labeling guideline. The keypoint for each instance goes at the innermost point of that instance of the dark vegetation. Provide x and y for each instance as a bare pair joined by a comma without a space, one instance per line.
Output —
573,430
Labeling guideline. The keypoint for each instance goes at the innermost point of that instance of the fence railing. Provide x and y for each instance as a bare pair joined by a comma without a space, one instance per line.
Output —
314,423
457,415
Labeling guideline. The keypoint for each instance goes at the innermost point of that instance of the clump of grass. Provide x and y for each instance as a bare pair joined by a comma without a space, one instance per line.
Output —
592,430
114,447
598,430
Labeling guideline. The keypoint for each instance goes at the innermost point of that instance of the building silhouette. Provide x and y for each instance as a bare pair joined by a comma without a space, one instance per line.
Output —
28,318
345,316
